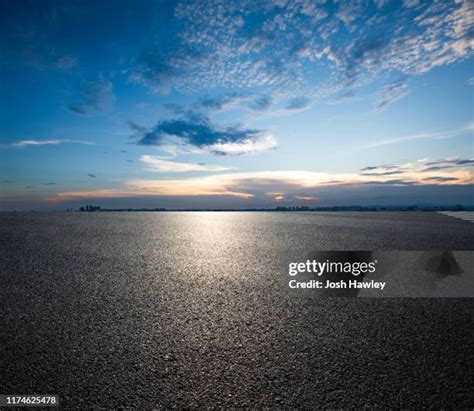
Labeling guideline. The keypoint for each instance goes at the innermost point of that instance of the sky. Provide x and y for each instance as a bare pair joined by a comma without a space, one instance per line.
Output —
235,104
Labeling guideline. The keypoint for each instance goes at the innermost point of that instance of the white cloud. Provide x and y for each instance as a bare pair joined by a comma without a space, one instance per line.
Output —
288,183
220,45
248,146
25,143
411,3
381,3
165,165
391,93
468,129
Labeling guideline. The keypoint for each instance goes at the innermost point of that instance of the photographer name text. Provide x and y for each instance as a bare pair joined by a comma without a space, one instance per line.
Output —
353,273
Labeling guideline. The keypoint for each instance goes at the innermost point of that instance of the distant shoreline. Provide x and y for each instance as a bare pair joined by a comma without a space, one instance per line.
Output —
413,208
457,207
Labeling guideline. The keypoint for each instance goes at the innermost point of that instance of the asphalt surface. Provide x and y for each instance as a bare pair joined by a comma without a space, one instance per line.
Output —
188,310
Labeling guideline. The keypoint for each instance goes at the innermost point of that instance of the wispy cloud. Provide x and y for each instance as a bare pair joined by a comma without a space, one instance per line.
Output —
30,34
65,62
26,143
226,101
95,97
436,169
392,92
306,198
223,101
343,97
439,179
284,184
298,104
467,129
411,3
168,166
444,164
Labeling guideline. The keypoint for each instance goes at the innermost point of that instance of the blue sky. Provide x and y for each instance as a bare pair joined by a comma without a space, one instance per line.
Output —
235,104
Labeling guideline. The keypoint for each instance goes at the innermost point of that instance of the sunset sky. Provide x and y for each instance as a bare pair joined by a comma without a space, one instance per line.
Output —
235,104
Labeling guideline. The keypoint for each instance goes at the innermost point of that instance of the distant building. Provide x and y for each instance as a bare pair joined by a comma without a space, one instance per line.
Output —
304,208
90,208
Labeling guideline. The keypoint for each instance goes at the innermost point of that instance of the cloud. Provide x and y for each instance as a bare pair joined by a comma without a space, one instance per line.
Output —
349,11
396,182
95,97
166,165
159,69
49,184
455,161
65,62
447,163
136,128
91,175
42,58
386,170
413,42
261,103
411,3
32,48
30,35
436,168
465,130
372,168
226,101
221,102
383,173
306,198
298,103
381,3
285,183
220,45
275,47
244,146
276,196
196,131
26,143
391,93
442,179
344,97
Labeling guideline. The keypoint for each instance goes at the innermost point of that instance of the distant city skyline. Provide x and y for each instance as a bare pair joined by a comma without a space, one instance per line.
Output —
217,104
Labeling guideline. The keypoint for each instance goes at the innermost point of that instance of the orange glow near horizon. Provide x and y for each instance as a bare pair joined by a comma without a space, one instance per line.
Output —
245,184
